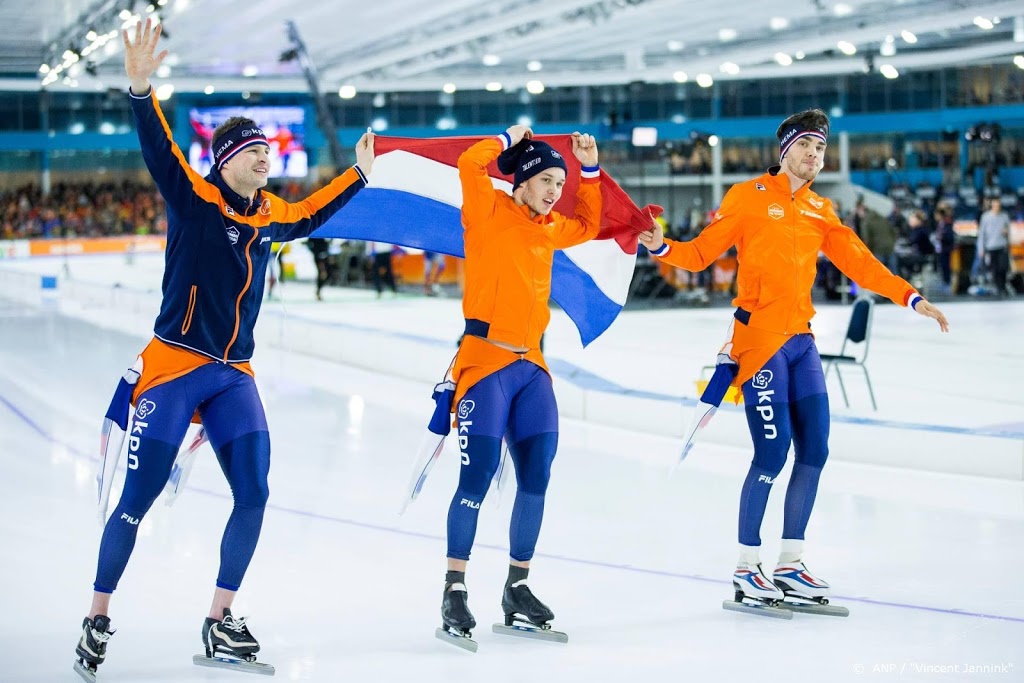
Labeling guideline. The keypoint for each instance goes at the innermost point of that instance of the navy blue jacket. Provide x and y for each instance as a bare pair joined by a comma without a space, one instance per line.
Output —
218,243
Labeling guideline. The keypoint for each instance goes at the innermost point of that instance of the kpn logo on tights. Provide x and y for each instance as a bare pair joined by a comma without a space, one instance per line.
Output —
764,407
466,406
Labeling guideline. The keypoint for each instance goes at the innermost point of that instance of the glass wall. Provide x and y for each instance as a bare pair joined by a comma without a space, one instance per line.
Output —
617,104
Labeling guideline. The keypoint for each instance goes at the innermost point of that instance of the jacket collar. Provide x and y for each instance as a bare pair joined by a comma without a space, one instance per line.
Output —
779,181
236,201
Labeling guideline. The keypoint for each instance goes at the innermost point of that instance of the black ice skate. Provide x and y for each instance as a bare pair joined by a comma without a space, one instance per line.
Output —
526,616
92,646
229,645
457,621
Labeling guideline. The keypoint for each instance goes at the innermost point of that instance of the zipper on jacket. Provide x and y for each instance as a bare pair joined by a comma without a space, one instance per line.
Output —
796,270
245,288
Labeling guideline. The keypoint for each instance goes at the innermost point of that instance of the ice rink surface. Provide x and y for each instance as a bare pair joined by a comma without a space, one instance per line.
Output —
634,563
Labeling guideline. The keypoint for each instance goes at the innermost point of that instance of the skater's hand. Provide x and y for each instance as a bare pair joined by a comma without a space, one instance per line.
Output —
927,310
584,146
518,132
653,238
364,152
139,62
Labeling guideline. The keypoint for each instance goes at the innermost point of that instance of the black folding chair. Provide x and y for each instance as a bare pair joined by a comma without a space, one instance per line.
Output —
858,332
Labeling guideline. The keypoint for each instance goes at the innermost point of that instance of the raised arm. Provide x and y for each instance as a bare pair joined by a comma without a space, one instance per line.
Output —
180,185
477,189
300,219
586,224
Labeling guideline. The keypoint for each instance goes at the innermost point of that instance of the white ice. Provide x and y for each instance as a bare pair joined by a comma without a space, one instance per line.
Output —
634,563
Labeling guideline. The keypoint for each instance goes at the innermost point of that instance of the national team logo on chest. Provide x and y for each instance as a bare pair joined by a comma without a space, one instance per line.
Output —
775,211
232,232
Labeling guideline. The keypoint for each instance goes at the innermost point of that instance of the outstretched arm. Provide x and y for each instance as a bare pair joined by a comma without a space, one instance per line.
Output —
699,253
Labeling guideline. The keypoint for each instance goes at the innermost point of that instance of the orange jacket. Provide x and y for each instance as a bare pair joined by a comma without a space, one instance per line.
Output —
778,234
508,264
509,254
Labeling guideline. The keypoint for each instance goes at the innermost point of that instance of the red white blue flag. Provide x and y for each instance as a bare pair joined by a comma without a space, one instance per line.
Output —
414,199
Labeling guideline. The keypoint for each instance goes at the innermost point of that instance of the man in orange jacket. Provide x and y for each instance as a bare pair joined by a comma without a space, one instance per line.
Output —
503,387
778,226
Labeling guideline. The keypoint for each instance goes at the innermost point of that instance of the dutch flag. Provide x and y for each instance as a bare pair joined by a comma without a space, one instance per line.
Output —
414,199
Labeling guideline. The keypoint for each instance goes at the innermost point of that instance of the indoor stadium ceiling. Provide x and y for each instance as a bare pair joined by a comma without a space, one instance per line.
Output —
401,45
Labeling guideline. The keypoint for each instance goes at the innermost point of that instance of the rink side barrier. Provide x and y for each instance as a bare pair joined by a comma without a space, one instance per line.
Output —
989,452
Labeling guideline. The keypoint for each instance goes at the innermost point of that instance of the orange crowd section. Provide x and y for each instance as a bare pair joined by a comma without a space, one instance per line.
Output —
97,245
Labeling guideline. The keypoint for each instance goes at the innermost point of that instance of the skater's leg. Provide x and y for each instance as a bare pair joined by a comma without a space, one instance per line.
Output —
810,417
236,423
533,435
481,417
160,423
482,414
766,399
533,438
100,604
161,420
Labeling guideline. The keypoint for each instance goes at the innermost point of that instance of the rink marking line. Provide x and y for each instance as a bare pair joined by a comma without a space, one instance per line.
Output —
564,558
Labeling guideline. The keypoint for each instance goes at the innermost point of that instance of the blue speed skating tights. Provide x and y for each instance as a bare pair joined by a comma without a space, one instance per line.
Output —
236,425
519,403
785,403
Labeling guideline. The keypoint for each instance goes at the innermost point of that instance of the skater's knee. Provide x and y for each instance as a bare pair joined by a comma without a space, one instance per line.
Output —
246,464
533,457
480,457
252,495
813,455
770,460
467,499
132,508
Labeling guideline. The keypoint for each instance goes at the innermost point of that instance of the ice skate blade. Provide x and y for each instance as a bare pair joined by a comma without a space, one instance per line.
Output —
218,662
85,672
815,608
762,610
465,642
522,630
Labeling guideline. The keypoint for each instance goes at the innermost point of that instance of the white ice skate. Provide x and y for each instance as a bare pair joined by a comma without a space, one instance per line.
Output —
755,593
804,591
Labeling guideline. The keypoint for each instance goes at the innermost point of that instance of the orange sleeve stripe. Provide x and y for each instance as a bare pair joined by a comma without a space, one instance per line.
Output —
203,189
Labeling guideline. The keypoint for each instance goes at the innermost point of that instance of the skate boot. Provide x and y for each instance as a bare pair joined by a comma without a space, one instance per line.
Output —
519,599
230,645
795,580
92,646
804,591
457,621
755,593
525,615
